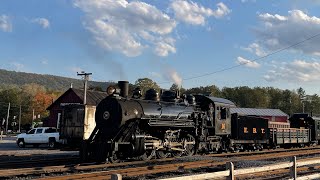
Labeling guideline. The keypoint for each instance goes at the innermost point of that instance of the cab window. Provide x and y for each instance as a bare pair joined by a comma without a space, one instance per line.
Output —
218,112
223,113
39,131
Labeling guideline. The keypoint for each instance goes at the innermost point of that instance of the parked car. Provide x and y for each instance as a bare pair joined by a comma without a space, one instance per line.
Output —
38,136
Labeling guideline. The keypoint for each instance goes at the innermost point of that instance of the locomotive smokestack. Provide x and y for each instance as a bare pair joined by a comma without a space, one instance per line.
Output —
124,88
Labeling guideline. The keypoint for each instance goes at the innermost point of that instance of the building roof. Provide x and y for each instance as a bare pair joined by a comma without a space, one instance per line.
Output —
93,97
258,112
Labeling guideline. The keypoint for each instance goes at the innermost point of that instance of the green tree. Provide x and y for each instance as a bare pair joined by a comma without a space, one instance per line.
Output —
286,104
301,92
12,95
213,90
275,97
175,87
145,83
260,97
315,105
229,93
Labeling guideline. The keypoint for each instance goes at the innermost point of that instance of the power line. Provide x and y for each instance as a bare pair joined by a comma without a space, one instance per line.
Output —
255,60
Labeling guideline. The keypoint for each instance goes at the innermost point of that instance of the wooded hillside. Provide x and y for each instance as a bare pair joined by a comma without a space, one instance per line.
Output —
56,83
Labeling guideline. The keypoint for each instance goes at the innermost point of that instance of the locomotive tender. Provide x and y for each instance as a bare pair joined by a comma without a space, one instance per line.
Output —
172,126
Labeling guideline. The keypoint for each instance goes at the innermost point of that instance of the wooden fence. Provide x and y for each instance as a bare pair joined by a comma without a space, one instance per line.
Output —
230,173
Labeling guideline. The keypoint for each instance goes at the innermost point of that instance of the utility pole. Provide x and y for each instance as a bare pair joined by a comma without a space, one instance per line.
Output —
20,119
8,118
32,118
86,79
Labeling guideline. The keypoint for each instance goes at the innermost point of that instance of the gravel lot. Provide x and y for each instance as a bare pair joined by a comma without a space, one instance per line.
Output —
8,147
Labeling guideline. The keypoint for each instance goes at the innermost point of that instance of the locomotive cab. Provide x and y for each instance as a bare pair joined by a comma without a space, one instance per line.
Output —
218,110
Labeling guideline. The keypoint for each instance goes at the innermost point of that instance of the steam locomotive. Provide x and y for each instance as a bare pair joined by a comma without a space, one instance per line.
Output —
170,125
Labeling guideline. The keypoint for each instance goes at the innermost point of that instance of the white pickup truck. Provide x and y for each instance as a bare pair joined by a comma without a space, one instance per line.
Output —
37,136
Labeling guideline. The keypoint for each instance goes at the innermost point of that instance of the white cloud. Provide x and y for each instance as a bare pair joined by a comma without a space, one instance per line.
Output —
245,1
247,63
256,49
195,14
279,31
155,74
43,22
17,66
163,48
128,27
5,23
296,71
76,69
44,62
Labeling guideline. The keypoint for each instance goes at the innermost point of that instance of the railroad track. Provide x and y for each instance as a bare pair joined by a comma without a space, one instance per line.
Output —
147,170
144,168
38,162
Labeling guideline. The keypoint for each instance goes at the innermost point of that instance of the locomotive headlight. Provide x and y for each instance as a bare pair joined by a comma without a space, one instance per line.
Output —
106,115
135,112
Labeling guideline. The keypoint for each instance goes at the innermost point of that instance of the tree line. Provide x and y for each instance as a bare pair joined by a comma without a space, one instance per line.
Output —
32,99
289,101
36,98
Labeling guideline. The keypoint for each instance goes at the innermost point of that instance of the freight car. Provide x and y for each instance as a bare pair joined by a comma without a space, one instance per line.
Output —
170,125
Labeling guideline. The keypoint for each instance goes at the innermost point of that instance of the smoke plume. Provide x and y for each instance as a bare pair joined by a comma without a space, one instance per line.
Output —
172,75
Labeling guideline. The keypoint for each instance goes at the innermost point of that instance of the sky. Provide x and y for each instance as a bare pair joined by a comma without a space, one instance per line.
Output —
191,43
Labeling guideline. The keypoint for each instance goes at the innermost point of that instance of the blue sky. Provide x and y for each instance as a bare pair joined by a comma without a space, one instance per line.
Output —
167,41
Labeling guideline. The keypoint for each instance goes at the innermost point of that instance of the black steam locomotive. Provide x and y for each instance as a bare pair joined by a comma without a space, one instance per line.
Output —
170,125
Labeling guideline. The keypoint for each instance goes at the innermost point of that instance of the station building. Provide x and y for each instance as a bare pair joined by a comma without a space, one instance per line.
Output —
71,96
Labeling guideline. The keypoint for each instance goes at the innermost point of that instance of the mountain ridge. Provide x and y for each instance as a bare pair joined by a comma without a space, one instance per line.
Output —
52,82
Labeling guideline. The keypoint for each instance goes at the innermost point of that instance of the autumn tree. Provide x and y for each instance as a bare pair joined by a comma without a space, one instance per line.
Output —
40,102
